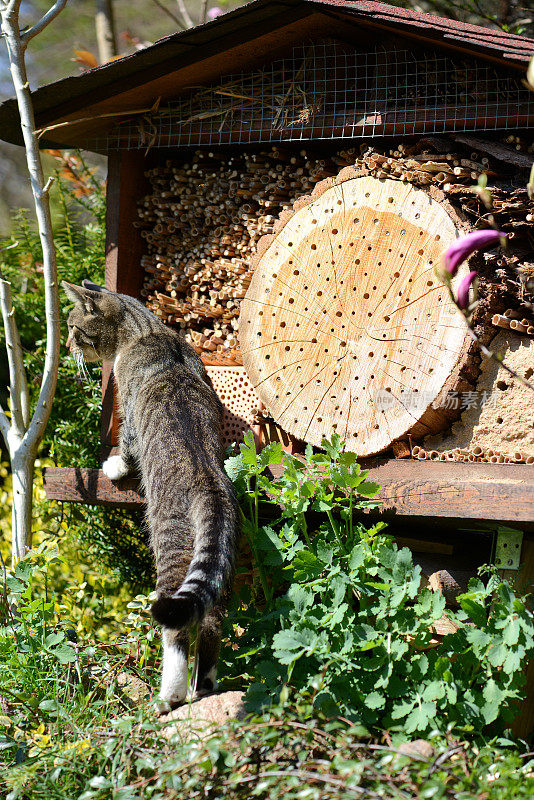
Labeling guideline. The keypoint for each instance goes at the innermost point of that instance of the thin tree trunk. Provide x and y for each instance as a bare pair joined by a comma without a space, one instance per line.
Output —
22,468
105,31
23,435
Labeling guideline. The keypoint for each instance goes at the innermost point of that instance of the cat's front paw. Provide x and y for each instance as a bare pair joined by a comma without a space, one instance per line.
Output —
114,468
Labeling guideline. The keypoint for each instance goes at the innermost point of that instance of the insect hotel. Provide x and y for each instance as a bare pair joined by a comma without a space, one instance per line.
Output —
282,183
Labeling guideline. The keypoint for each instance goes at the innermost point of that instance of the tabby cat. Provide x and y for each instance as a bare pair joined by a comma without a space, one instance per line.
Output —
170,434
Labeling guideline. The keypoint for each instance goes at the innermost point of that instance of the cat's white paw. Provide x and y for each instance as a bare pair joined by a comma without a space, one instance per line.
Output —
115,468
173,675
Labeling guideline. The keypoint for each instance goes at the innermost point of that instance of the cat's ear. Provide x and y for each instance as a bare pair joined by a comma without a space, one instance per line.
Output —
79,294
94,287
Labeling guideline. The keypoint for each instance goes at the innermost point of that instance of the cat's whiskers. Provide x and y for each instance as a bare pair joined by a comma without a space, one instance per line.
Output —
80,364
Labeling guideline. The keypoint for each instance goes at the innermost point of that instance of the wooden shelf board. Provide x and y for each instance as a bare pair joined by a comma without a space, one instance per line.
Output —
493,492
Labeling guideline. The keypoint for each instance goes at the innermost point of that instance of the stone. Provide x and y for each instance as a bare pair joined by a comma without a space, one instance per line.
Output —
419,748
132,688
204,714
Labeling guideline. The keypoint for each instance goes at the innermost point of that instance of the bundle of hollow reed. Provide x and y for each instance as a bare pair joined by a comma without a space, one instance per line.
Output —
512,320
472,454
202,221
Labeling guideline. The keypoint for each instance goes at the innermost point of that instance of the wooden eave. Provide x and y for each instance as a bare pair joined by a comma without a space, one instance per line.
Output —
240,40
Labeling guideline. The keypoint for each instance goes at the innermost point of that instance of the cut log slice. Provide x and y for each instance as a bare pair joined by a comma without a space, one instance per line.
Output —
345,327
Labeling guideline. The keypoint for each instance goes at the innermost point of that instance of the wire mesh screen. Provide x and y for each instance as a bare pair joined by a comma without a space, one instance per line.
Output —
329,90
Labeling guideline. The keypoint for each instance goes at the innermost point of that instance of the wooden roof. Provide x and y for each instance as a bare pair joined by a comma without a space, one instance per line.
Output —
87,105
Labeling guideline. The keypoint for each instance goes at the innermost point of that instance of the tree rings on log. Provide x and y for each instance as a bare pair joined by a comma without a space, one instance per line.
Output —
345,327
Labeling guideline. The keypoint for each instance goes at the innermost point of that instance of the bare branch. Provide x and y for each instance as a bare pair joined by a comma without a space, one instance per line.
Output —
14,357
185,14
174,18
45,20
47,186
204,11
105,31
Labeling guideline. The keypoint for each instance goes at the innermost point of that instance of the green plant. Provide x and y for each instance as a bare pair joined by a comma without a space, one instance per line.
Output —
343,620
71,730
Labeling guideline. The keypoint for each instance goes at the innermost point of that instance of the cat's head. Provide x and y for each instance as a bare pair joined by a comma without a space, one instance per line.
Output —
102,322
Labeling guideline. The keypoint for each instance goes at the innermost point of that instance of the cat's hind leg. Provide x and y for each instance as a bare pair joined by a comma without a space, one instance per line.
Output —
174,671
208,647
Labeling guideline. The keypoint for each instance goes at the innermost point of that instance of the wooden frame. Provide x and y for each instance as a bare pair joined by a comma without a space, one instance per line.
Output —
410,488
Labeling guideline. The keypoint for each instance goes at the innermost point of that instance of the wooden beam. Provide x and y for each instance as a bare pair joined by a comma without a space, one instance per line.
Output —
126,183
502,492
380,123
90,486
488,492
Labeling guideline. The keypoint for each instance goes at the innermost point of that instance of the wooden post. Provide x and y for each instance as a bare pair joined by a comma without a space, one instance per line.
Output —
124,247
523,583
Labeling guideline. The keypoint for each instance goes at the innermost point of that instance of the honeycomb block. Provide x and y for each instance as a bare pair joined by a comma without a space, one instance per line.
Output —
239,399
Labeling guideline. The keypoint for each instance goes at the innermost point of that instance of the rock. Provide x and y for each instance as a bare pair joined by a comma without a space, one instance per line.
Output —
133,688
419,748
204,714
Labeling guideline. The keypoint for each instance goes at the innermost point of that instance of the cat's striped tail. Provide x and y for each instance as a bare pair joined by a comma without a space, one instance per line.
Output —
214,517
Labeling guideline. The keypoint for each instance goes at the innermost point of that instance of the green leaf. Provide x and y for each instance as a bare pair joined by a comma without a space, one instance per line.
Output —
497,654
291,644
325,703
270,546
272,454
100,782
419,718
64,654
375,700
49,705
434,691
332,446
23,571
494,697
14,584
420,665
369,489
301,597
403,708
6,743
306,565
479,640
492,692
249,454
235,468
357,557
349,460
54,638
511,631
475,611
322,505
325,552
513,661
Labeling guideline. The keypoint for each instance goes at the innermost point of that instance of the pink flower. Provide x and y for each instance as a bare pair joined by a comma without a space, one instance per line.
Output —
463,247
462,298
214,12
